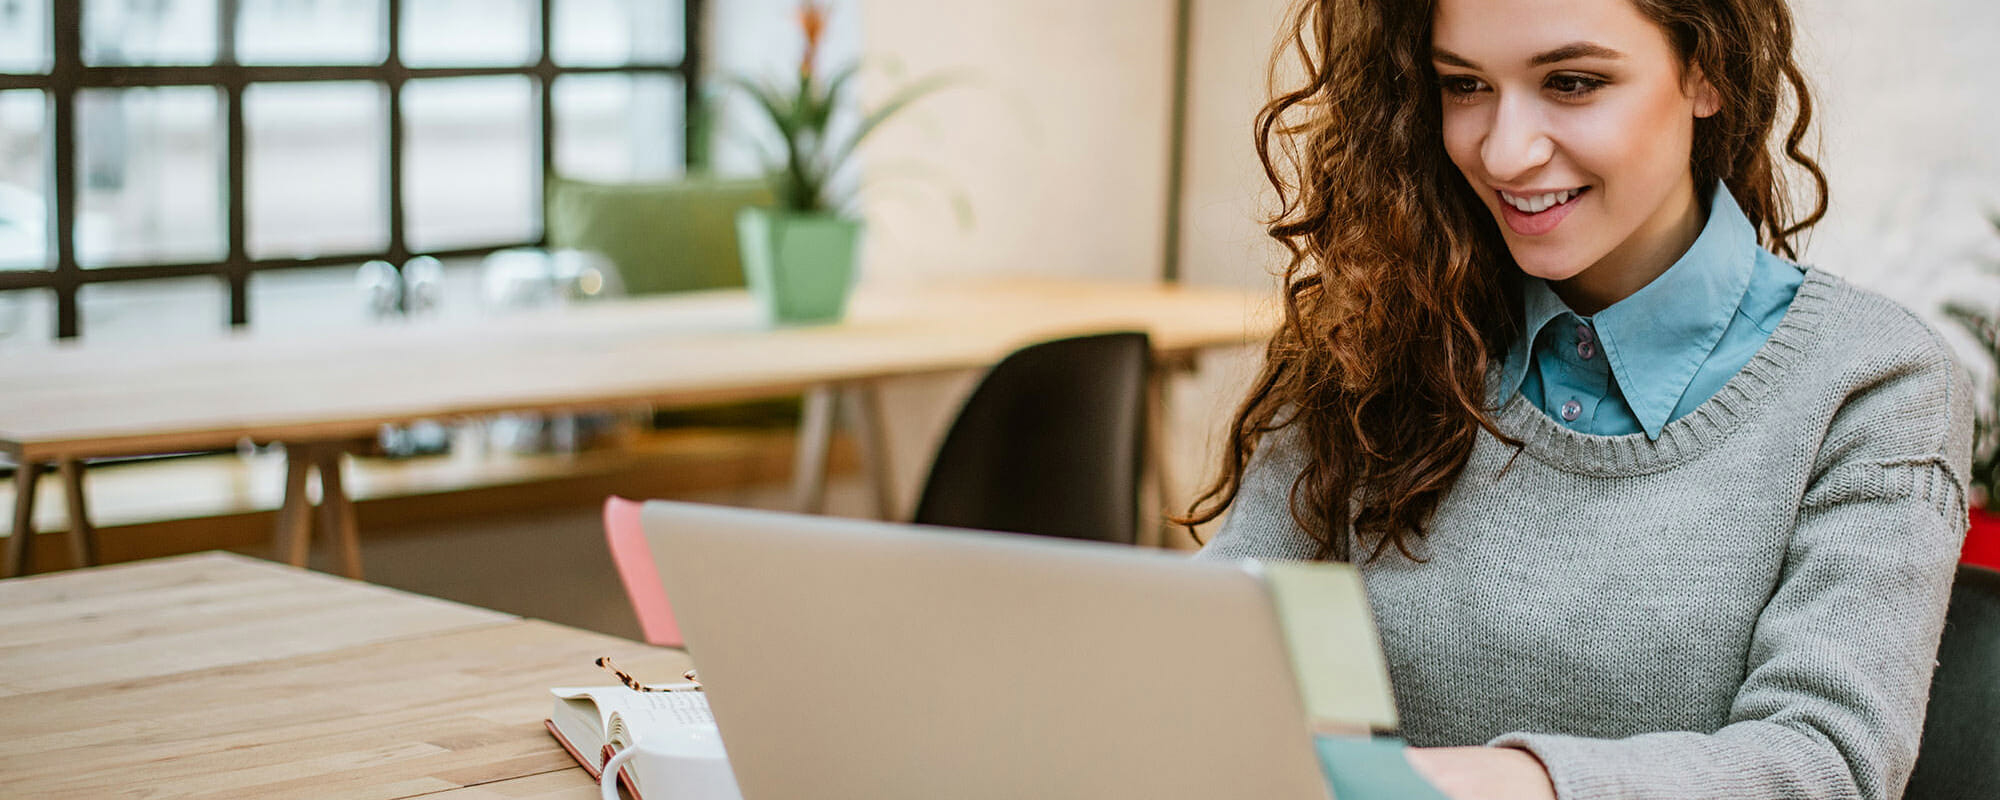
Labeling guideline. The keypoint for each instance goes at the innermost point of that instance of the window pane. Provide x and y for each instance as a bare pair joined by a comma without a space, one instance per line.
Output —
470,163
469,32
331,299
600,32
310,32
24,35
149,176
314,299
24,171
27,318
119,32
153,311
619,127
318,163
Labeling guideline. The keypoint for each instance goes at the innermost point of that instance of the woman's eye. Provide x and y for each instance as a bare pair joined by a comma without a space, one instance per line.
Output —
1459,85
1574,85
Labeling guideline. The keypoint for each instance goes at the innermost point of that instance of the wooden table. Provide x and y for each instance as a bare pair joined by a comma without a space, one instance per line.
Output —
74,401
217,676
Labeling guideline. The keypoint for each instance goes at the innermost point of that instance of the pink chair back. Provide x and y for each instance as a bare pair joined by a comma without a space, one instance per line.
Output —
635,567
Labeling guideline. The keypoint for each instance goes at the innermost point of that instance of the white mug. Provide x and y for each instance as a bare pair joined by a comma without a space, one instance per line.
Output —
677,763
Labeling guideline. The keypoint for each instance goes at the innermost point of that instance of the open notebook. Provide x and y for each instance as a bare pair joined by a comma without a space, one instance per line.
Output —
596,722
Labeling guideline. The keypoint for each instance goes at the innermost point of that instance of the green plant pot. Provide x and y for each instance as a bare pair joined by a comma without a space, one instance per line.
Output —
799,266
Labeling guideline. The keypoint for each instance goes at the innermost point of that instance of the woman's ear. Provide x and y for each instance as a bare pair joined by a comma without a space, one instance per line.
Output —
1707,101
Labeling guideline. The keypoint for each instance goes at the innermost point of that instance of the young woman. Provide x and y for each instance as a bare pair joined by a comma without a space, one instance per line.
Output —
1644,510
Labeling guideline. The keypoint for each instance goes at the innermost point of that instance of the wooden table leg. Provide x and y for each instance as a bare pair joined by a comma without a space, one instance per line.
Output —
815,441
294,536
82,535
20,554
864,422
337,511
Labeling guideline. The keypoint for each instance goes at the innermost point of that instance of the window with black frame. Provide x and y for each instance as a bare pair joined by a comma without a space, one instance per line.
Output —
171,166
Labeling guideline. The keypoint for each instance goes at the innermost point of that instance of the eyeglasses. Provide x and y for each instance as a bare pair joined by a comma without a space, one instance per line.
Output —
693,682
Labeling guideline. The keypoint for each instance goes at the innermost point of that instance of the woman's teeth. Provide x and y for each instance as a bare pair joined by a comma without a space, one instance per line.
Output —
1538,203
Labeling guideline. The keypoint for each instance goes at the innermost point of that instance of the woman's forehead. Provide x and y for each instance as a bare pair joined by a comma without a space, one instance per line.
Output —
1500,34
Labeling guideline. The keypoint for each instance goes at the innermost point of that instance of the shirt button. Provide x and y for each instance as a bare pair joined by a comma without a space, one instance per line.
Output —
1583,333
1586,349
1570,410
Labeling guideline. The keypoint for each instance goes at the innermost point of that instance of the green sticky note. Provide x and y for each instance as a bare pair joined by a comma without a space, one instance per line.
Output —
1335,650
1360,768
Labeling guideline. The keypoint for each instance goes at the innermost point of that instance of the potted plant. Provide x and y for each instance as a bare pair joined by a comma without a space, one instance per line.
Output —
1982,542
799,256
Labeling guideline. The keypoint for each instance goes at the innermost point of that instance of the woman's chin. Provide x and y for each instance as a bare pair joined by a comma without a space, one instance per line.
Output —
1548,269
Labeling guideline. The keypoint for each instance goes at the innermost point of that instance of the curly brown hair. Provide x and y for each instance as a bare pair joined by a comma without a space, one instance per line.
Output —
1393,314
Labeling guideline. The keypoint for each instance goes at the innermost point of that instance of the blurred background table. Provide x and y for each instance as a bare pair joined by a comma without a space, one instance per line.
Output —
64,404
220,676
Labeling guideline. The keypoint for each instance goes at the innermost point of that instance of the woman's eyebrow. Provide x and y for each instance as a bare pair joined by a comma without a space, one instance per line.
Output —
1556,56
1574,50
1444,56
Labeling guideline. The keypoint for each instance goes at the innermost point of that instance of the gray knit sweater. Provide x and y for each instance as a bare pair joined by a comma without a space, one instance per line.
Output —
1748,607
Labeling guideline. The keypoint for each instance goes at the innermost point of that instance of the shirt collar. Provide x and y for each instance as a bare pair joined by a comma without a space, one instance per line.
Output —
1539,306
1657,339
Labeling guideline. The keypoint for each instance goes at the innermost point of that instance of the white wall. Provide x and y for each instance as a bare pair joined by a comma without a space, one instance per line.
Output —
1059,142
1911,126
1225,195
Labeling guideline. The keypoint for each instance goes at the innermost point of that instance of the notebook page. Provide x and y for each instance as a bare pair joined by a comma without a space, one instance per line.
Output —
644,710
608,699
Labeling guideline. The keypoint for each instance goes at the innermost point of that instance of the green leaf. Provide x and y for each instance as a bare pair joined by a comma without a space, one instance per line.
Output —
802,117
776,108
819,112
794,187
805,108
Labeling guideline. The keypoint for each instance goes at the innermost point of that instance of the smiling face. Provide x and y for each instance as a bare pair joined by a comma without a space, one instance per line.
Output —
1574,121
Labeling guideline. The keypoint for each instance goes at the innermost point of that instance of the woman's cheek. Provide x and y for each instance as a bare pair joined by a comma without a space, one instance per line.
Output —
1598,139
1461,139
1667,120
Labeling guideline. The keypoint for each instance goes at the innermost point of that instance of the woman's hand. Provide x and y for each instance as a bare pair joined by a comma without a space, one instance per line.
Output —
1483,773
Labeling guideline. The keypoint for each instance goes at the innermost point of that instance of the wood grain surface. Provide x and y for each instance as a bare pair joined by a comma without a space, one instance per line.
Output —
216,676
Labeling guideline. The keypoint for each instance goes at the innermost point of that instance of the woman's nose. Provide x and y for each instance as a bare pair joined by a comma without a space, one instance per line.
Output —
1517,144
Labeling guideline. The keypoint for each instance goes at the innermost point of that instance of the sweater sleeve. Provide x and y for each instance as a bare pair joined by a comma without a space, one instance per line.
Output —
1839,669
1260,523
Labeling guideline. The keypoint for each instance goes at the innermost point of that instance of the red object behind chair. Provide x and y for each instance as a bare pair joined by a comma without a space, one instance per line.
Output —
1982,542
636,569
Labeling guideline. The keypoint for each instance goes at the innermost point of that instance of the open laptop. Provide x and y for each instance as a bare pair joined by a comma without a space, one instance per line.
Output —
867,660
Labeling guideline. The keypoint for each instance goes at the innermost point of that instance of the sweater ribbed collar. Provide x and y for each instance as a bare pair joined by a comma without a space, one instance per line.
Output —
1683,438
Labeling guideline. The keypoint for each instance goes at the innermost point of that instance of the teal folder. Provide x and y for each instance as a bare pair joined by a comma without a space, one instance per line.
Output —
1359,768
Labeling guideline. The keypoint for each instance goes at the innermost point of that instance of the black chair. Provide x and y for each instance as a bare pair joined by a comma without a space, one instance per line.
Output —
1960,755
1051,443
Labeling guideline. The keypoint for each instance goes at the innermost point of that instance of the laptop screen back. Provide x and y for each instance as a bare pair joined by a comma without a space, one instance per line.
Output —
864,660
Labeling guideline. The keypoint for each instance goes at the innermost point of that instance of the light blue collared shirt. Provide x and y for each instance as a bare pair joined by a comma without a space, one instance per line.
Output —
1657,355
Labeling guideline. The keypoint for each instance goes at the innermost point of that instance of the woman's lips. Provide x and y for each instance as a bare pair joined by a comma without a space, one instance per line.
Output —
1526,224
